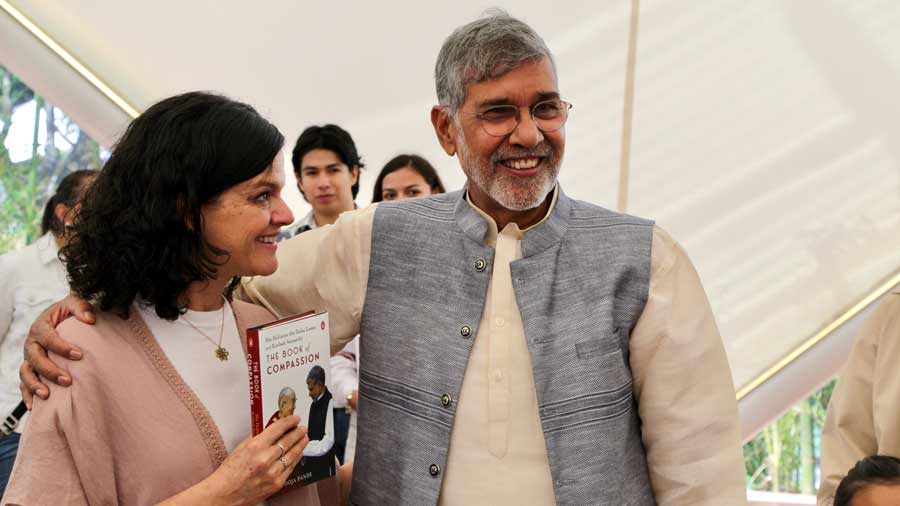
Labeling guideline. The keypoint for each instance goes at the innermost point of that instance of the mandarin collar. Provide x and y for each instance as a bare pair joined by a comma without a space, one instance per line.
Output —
480,227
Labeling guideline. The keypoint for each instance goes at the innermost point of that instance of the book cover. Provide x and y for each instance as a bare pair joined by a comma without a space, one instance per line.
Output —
288,360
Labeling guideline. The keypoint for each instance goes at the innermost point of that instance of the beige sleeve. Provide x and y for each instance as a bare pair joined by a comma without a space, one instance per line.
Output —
850,433
325,269
684,388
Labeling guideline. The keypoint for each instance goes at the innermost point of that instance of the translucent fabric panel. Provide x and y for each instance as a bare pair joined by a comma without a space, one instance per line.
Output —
366,66
765,134
766,141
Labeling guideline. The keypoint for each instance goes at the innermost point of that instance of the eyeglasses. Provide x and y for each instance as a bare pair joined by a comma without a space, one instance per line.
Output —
502,120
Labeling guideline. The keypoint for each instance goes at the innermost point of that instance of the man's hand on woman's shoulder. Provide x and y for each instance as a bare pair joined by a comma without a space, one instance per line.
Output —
42,336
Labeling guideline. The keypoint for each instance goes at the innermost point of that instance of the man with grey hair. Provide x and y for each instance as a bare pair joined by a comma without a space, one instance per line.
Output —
521,347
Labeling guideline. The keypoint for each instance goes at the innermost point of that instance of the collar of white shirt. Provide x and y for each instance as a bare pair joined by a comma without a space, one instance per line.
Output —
48,250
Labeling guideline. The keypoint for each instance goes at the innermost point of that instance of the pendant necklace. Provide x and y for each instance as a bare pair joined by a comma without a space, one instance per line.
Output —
221,353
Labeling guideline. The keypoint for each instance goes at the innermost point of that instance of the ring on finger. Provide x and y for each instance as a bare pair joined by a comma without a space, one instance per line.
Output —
283,462
283,451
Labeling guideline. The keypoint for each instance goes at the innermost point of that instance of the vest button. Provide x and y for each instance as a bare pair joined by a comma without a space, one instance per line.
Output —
434,469
446,400
465,331
480,264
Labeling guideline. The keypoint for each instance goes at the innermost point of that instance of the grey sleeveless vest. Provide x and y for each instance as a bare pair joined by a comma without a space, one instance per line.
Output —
581,284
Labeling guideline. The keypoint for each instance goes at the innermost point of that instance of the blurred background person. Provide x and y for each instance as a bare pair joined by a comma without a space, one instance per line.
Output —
407,177
31,279
873,481
862,414
345,386
327,166
403,177
189,201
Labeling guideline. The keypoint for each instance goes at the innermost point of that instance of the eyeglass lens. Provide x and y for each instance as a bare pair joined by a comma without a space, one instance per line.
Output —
503,119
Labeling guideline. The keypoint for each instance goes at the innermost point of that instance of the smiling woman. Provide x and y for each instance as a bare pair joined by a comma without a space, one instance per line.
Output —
249,248
189,201
171,200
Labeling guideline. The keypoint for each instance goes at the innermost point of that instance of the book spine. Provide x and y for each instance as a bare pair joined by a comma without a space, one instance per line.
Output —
256,415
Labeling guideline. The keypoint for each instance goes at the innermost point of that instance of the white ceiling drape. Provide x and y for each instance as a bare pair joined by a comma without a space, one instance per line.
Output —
765,134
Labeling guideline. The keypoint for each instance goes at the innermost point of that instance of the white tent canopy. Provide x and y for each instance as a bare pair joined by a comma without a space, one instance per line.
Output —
765,134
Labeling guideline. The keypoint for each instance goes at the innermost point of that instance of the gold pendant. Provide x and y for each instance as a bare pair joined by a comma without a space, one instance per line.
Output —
221,353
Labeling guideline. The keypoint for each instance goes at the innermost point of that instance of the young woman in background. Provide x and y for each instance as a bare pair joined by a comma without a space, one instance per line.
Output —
32,278
406,177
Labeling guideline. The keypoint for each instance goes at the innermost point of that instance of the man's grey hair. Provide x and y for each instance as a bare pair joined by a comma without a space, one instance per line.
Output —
286,392
482,50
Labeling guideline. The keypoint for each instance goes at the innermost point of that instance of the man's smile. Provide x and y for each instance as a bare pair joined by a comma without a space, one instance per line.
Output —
523,167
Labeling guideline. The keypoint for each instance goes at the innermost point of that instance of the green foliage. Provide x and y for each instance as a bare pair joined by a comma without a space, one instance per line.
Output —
783,457
25,186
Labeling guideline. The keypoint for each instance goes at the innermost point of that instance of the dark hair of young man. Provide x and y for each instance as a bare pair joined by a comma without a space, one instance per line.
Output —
68,193
139,228
874,470
418,164
334,139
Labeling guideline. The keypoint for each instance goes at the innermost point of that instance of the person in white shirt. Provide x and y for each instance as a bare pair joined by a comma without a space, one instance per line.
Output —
344,385
33,278
318,456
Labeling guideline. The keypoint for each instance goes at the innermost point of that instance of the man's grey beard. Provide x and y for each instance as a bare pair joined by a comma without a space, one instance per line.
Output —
511,192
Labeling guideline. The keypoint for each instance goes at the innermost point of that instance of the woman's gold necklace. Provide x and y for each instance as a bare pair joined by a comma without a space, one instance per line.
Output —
221,353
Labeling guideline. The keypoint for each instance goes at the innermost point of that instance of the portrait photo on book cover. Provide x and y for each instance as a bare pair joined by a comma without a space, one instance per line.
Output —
287,402
318,457
289,365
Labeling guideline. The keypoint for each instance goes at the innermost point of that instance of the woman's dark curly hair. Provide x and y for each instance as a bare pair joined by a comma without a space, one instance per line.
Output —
874,470
138,233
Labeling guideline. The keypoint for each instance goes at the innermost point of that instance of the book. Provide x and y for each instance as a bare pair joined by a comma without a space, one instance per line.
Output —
288,360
